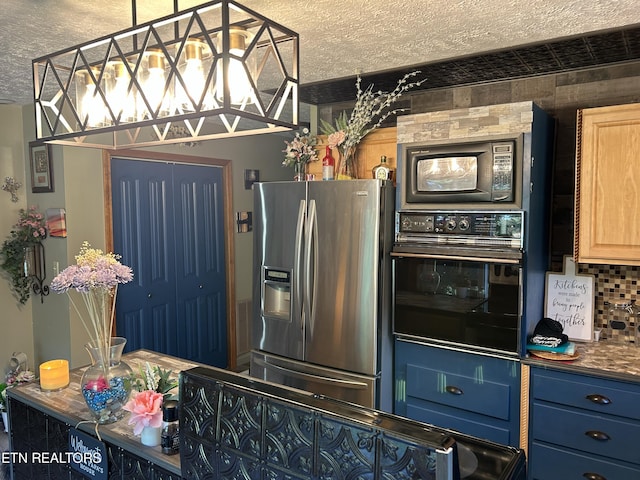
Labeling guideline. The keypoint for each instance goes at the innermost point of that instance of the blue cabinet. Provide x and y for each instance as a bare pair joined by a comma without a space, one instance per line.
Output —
472,393
583,426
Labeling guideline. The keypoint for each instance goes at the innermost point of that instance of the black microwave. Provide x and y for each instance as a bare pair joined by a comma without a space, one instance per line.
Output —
479,173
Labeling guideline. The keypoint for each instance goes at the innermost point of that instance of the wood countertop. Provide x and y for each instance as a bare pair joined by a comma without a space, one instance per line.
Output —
68,406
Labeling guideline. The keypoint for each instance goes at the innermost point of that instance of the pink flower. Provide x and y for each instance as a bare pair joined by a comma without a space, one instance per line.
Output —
336,138
146,411
97,385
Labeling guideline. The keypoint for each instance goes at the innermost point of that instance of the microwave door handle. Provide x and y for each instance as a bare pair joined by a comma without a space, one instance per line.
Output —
298,258
311,240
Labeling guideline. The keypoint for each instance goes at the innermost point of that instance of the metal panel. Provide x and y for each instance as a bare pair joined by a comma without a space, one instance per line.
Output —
342,331
358,389
279,206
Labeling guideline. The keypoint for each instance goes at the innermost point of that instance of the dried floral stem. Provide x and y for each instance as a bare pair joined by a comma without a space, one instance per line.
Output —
99,331
96,277
370,110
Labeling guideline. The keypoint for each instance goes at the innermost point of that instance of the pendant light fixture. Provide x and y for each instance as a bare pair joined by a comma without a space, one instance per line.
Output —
212,71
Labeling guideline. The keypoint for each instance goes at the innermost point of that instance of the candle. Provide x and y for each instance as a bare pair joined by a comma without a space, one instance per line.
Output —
54,374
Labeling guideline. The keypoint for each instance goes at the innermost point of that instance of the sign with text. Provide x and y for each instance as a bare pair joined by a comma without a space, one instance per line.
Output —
569,300
88,454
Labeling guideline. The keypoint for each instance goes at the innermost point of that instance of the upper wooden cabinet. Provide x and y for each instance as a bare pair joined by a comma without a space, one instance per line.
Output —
607,215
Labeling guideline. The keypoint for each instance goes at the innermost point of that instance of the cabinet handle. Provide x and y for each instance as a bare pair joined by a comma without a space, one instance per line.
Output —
599,399
453,390
596,435
593,476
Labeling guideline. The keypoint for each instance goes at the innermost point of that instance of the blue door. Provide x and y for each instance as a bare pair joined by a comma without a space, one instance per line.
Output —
168,226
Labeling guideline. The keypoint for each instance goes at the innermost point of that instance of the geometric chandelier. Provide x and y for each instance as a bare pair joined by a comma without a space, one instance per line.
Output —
212,71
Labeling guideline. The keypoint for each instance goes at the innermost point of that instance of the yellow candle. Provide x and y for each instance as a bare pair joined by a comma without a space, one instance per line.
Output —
54,374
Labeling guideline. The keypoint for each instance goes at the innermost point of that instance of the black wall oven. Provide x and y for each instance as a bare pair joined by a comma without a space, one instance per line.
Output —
458,279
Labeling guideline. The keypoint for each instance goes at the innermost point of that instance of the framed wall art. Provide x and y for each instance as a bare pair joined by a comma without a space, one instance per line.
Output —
41,171
56,222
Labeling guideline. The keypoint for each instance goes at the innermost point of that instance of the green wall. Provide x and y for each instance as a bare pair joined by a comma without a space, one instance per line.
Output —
52,329
15,319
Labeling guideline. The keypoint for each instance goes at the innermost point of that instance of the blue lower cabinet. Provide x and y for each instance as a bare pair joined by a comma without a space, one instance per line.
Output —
582,426
551,462
475,394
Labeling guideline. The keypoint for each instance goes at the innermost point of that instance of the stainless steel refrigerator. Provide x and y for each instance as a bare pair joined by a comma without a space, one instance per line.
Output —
322,288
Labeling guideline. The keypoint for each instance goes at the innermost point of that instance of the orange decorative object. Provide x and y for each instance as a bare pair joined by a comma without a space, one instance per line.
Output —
54,374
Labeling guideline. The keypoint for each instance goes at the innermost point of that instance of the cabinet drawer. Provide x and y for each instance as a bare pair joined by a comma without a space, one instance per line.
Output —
496,432
569,428
459,391
552,463
598,395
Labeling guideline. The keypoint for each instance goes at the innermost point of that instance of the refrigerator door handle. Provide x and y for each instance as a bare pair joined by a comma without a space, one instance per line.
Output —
317,378
298,257
311,240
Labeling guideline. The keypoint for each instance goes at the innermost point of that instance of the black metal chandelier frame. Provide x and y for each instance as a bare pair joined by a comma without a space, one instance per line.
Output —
162,48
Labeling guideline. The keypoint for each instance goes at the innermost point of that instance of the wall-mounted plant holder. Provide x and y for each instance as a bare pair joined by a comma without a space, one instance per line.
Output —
35,269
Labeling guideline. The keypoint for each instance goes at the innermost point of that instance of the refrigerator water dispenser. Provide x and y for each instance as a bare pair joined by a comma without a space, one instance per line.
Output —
276,294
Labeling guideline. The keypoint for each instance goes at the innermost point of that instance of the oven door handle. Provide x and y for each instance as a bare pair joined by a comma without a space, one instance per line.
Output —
455,257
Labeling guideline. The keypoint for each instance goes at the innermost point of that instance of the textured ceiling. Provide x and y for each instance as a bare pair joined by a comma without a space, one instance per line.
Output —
455,41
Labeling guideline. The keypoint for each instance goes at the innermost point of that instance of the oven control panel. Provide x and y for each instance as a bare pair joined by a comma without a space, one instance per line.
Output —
460,227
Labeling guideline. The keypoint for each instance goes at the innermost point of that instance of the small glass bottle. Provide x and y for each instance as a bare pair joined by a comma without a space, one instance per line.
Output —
328,164
170,439
382,170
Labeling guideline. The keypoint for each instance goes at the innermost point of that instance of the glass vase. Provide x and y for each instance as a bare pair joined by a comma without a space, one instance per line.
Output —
347,166
300,171
106,384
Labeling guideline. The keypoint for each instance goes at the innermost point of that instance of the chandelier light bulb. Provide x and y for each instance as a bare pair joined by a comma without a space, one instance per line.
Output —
154,85
240,90
119,97
193,76
92,108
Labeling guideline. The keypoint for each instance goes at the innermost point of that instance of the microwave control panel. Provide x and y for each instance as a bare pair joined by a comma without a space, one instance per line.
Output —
502,170
459,227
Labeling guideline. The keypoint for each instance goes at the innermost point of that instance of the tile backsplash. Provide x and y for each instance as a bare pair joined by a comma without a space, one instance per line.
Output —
614,284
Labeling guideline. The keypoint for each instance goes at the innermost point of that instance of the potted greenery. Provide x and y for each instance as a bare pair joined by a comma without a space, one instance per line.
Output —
13,378
28,232
3,405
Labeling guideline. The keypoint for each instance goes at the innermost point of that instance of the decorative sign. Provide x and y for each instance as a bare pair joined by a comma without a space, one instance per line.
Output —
88,455
569,300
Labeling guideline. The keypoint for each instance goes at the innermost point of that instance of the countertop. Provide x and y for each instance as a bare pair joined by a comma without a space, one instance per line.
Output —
69,406
603,358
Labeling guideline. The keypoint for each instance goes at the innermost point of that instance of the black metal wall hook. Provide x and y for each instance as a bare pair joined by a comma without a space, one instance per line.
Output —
35,268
